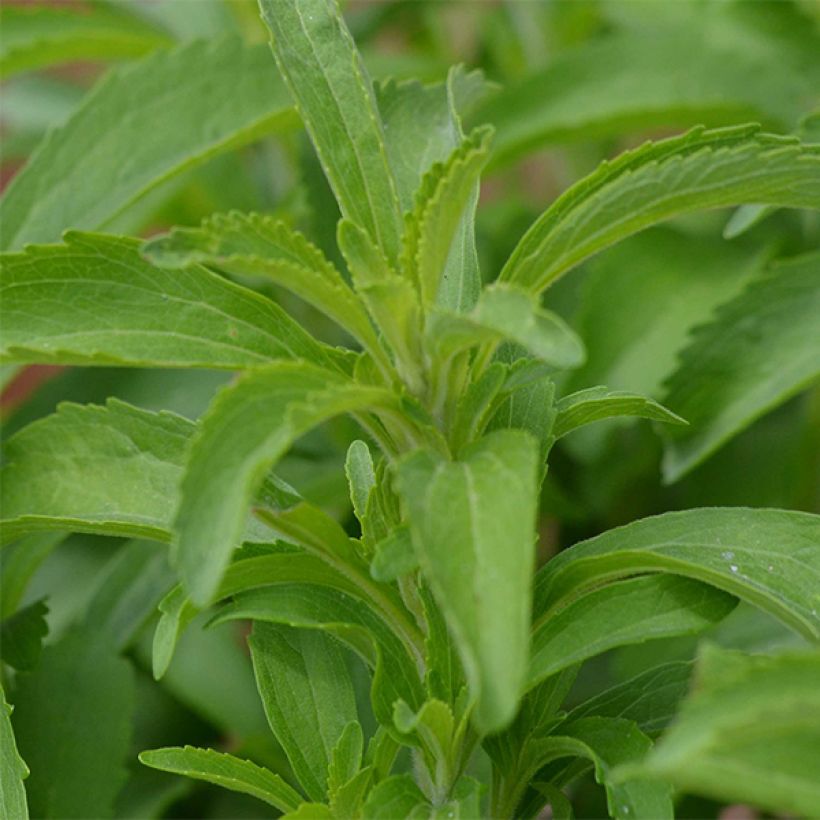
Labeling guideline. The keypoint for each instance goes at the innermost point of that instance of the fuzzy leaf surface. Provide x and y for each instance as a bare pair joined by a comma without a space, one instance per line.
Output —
95,300
181,108
472,523
760,349
260,245
12,768
770,558
224,770
700,169
334,95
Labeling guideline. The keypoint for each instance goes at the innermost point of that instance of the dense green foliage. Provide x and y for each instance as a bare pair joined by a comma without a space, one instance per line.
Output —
338,505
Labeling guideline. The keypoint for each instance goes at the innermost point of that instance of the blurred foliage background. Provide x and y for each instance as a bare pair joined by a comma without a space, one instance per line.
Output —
567,84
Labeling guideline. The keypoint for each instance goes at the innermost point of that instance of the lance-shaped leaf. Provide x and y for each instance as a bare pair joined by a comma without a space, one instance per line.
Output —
305,685
700,169
598,403
770,558
225,770
472,523
506,313
760,349
112,470
628,82
248,427
334,95
626,612
95,300
364,630
36,37
749,732
182,107
13,770
260,245
433,226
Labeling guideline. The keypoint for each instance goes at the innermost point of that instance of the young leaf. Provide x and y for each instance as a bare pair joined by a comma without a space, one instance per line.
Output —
761,348
13,770
182,107
626,612
749,732
472,523
21,636
433,225
361,477
506,313
700,169
770,558
397,796
333,93
37,37
394,556
248,427
225,770
259,245
95,300
308,697
72,719
597,403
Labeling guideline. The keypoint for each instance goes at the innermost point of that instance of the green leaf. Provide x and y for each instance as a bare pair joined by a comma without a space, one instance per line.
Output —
224,770
128,590
72,718
248,427
760,349
397,796
394,556
183,107
361,477
346,758
749,732
700,169
390,299
37,37
111,470
20,561
308,697
94,300
334,95
770,558
626,83
260,245
472,523
626,612
611,742
365,630
432,227
506,313
597,403
13,770
650,699
21,636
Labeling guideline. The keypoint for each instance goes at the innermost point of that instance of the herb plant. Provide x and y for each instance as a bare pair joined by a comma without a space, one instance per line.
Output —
418,664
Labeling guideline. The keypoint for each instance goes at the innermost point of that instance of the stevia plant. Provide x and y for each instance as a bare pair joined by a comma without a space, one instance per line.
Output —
456,387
